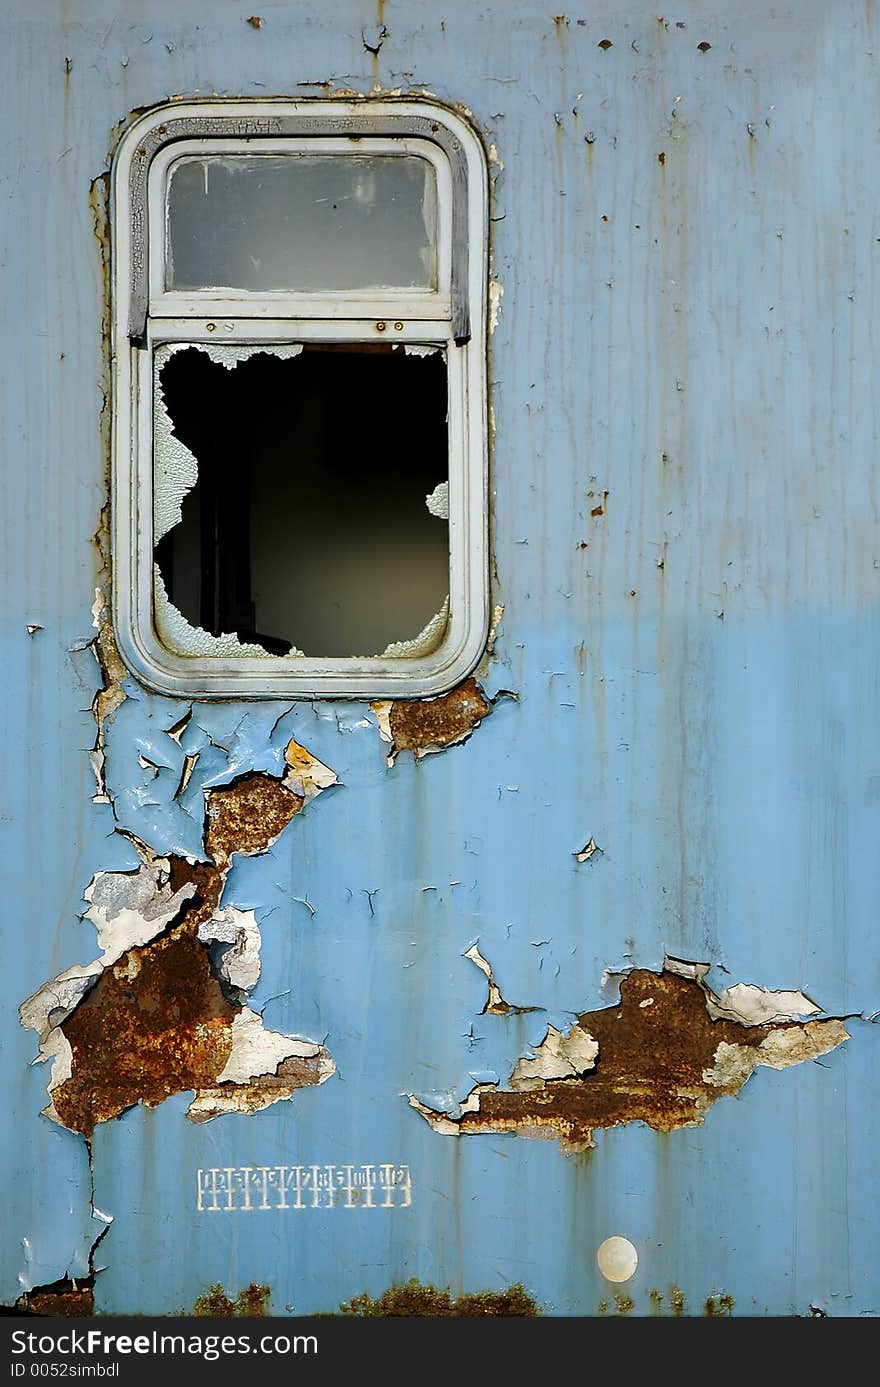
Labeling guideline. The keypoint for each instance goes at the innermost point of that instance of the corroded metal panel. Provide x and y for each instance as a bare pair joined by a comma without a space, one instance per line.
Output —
312,992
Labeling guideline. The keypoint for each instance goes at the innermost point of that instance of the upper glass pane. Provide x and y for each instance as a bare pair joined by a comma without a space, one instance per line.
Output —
309,222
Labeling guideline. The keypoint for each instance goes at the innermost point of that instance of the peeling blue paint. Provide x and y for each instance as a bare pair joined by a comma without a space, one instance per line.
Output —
687,344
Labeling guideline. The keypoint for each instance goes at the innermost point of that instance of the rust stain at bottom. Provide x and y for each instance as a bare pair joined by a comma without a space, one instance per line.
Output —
677,1303
415,1299
249,1303
61,1298
719,1305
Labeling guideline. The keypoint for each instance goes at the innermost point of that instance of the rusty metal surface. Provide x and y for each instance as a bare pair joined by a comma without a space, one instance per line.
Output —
65,1300
416,1299
684,540
247,816
153,1025
420,725
158,1020
660,1060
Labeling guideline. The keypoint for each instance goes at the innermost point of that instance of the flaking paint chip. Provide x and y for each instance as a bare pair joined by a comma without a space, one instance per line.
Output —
164,1009
588,850
495,1004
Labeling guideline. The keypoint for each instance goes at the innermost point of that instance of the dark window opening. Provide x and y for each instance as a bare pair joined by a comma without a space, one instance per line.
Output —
308,526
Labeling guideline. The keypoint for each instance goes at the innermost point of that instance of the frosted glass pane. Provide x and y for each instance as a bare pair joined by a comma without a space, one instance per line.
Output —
302,221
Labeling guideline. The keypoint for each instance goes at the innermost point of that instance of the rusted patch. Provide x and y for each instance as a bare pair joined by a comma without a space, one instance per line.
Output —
425,725
415,1299
163,1012
657,1057
247,816
208,881
62,1298
677,1302
154,1024
719,1306
250,1303
625,1303
292,1073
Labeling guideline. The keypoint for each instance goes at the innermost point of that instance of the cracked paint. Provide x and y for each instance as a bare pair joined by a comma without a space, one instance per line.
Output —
590,848
71,1295
235,954
427,725
668,734
661,1056
111,694
560,1055
164,1009
495,1003
306,775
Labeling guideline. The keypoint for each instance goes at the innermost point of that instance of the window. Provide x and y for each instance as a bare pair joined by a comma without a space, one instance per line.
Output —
300,496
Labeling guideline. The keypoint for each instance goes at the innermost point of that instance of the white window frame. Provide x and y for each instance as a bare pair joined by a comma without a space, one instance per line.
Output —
450,317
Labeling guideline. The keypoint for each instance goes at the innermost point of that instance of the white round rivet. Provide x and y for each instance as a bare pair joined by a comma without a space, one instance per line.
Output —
617,1259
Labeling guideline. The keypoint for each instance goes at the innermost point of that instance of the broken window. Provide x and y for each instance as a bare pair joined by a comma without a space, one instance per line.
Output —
299,445
300,482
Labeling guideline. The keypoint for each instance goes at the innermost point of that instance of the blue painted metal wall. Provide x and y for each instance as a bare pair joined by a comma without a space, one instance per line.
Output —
696,668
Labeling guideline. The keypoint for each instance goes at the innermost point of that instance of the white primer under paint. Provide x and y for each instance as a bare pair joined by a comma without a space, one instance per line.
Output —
560,1055
256,1051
